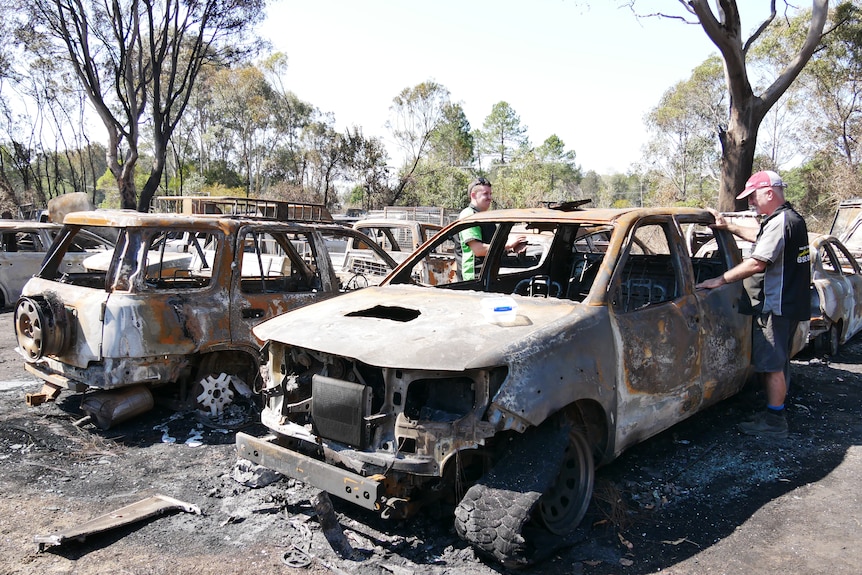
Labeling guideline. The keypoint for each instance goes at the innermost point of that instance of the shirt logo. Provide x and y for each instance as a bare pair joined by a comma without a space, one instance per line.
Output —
804,256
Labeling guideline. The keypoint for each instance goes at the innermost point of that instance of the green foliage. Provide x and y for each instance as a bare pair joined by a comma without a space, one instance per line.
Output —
502,136
684,147
452,143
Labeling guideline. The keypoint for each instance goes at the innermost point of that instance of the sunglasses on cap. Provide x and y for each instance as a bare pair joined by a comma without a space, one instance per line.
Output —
478,182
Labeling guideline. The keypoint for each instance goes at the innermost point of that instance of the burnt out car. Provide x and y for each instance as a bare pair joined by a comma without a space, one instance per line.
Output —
23,245
836,294
172,307
500,395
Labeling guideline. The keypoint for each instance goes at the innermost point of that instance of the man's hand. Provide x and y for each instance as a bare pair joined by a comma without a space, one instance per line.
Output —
720,222
517,245
711,283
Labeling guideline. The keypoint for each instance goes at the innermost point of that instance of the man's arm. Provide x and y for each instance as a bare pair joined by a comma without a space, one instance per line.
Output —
747,233
478,248
747,268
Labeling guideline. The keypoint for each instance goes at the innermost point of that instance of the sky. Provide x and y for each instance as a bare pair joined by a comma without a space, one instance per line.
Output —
587,71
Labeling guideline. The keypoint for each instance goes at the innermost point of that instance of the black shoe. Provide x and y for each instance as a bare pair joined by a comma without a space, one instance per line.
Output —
766,424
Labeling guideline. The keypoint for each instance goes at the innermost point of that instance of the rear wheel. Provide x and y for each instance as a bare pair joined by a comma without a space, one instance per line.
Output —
828,341
213,393
221,379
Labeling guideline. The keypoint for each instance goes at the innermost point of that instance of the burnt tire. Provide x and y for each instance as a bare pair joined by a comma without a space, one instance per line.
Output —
494,512
828,342
40,327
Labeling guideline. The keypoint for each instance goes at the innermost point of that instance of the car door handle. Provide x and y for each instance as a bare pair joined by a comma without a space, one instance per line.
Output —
252,313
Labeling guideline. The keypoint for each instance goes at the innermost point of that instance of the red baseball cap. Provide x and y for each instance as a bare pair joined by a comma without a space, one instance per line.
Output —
764,179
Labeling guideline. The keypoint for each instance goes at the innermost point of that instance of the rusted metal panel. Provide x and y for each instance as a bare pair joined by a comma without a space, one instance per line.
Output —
146,508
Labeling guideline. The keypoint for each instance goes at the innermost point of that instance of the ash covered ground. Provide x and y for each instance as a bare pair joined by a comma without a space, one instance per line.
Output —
699,498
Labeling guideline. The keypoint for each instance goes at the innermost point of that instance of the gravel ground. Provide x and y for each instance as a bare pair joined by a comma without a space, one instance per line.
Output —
698,498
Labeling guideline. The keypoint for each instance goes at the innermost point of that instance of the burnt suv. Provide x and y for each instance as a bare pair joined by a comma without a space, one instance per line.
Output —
172,306
501,394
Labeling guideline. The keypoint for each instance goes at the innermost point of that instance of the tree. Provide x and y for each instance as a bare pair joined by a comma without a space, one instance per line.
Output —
683,147
502,135
242,102
365,160
738,137
415,115
834,79
451,142
137,55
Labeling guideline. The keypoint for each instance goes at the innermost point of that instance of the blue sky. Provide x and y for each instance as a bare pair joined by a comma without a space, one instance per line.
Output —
585,71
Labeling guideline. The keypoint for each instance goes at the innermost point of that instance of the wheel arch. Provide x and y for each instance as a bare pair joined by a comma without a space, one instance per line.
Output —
590,417
233,361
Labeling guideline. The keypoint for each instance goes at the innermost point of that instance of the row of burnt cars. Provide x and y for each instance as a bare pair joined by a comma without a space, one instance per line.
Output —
497,396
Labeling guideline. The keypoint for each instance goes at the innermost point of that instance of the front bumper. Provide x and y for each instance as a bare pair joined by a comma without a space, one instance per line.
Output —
345,484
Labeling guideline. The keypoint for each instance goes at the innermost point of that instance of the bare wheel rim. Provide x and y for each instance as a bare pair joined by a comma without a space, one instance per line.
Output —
214,394
28,326
562,507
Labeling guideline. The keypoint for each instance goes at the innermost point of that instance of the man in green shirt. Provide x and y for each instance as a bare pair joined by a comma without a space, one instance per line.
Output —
475,240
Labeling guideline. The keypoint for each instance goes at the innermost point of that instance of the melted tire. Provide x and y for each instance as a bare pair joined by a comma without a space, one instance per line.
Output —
493,513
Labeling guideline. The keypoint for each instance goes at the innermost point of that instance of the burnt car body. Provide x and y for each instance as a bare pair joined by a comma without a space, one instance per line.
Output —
501,394
847,225
400,238
836,295
23,245
173,303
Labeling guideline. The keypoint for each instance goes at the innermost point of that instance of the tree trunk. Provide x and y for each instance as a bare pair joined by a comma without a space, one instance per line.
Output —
151,186
161,138
738,145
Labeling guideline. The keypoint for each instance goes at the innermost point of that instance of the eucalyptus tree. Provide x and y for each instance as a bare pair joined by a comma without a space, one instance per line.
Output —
323,160
442,176
683,130
366,162
414,117
138,61
834,95
746,109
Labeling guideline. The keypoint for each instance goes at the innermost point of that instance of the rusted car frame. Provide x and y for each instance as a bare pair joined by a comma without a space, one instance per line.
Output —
23,246
153,313
405,394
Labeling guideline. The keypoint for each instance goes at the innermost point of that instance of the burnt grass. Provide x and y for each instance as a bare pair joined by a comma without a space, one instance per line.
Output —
661,502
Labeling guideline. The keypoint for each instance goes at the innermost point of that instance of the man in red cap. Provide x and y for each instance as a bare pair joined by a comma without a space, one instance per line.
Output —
776,277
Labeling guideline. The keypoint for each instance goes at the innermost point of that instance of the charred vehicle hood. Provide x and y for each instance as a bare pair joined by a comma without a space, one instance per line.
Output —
417,328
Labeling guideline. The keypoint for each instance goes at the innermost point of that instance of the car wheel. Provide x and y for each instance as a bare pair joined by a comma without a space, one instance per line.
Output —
41,329
562,507
213,394
494,512
828,341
